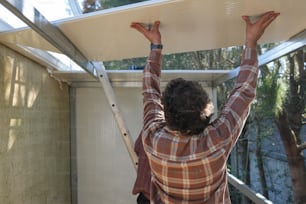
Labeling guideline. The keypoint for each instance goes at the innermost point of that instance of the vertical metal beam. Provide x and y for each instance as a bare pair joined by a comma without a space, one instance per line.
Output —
73,148
108,90
50,33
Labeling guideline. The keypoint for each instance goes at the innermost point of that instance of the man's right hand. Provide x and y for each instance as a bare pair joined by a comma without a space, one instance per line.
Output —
153,35
255,30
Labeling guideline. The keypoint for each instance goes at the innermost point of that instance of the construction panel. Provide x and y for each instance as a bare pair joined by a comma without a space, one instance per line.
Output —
186,25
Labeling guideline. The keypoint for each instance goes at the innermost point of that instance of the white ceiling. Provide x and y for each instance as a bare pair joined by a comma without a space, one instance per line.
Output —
186,25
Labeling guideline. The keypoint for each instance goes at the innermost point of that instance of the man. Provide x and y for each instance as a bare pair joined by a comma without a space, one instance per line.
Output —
187,153
142,184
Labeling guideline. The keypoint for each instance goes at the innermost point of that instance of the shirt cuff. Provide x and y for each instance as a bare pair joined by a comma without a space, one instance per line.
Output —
155,55
154,61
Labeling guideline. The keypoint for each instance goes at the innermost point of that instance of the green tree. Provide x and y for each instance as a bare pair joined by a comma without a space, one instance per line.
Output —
281,97
270,94
95,5
115,3
290,119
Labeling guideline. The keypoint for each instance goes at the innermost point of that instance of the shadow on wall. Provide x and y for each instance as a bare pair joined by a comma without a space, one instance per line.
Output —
34,133
18,92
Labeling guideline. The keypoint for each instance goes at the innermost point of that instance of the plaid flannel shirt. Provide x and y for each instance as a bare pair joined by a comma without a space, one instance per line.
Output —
143,180
192,169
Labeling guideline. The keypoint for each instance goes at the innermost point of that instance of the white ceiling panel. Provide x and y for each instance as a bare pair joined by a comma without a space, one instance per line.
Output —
186,25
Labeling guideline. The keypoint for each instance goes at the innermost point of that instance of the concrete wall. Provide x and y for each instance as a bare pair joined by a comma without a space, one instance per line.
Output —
34,134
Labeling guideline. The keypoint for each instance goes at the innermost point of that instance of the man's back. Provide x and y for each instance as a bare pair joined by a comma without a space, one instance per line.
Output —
192,168
185,172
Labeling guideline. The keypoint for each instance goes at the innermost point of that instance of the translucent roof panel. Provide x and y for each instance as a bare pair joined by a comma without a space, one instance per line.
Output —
8,20
51,9
88,6
192,26
71,65
54,9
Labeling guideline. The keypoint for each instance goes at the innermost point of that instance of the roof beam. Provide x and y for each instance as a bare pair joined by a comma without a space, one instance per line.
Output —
133,78
296,42
52,34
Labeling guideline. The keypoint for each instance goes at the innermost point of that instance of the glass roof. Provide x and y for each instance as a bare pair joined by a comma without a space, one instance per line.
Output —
54,10
51,9
9,21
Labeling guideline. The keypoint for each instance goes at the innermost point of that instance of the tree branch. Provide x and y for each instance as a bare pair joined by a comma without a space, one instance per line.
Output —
301,147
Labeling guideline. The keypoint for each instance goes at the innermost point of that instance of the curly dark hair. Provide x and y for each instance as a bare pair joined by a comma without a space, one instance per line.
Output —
183,103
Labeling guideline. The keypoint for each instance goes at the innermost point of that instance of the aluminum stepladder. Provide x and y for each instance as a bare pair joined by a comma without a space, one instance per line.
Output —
111,98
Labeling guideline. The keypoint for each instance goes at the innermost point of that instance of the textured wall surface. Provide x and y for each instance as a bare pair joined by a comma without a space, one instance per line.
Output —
34,133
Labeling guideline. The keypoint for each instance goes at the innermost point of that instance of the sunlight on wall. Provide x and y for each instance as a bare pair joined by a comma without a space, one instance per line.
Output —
32,95
22,92
34,133
18,95
14,123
